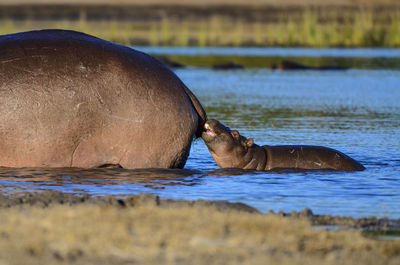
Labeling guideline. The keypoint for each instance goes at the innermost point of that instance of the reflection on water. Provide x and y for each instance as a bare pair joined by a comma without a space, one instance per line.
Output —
354,111
266,57
99,181
279,52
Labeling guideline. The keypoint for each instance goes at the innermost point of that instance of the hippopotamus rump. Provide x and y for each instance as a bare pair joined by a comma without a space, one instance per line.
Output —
68,99
232,150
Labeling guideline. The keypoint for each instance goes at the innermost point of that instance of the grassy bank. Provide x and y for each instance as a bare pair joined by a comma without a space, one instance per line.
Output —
364,27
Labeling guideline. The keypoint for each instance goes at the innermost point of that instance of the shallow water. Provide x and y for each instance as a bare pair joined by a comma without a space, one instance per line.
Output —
266,57
271,52
355,111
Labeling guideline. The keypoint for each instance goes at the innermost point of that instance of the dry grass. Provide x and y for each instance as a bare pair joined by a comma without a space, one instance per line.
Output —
362,28
346,23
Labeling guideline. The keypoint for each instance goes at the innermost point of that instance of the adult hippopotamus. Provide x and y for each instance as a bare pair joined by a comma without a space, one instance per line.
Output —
68,99
232,150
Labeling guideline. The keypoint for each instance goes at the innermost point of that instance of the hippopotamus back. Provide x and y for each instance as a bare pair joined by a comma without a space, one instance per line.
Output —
70,99
308,157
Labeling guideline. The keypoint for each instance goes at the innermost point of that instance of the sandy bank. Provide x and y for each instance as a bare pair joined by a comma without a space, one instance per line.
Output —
56,228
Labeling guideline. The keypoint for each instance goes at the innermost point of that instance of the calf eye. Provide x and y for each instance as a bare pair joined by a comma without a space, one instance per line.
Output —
235,134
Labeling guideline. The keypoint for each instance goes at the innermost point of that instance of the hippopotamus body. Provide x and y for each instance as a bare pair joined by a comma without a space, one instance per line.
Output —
232,150
68,99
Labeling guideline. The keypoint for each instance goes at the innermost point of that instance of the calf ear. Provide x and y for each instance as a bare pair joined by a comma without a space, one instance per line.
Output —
235,134
250,142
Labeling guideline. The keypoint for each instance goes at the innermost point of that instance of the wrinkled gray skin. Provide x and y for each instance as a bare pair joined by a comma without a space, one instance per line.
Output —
68,99
231,150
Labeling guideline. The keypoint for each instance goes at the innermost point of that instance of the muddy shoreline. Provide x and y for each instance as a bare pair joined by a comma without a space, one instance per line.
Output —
51,198
58,228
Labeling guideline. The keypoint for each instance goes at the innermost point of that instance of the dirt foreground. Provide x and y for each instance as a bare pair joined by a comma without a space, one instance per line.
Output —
57,228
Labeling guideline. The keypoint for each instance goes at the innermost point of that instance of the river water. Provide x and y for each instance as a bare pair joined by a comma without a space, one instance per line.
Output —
356,111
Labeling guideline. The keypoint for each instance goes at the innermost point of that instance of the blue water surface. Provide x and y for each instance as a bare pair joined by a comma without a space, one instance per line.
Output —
282,52
354,111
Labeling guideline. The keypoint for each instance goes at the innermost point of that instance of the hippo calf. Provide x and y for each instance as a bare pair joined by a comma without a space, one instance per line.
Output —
232,150
68,99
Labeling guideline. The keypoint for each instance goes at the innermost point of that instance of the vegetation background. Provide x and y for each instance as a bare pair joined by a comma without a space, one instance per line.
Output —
263,23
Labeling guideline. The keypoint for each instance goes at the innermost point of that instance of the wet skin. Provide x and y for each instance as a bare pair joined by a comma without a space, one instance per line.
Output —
68,99
232,150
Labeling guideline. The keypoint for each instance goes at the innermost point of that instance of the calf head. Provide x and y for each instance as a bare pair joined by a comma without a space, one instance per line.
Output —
228,148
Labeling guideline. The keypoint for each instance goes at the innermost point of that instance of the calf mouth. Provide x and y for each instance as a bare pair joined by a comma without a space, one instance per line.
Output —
214,128
209,131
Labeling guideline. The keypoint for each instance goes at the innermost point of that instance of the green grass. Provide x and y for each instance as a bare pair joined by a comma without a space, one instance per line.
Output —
312,28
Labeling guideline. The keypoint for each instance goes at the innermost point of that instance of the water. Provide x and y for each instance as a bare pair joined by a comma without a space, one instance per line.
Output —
271,52
355,111
261,57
